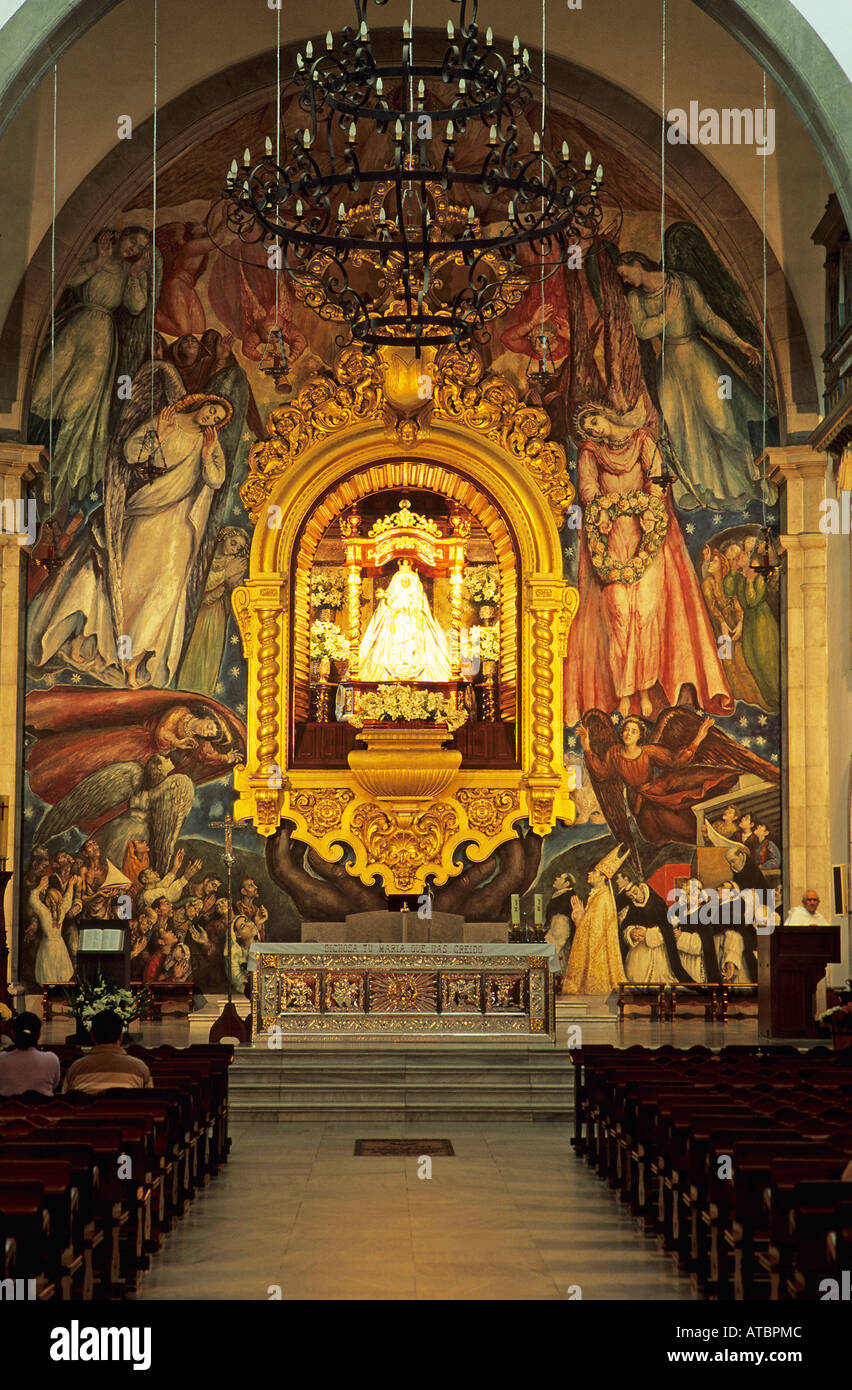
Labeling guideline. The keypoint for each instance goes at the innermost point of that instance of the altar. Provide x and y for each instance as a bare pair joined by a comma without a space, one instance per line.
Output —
485,991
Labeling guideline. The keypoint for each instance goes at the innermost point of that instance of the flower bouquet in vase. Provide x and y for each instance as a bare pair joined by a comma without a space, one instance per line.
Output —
327,644
90,998
482,587
327,591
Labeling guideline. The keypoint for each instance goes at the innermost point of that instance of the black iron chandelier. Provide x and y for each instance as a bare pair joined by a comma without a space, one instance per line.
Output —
386,240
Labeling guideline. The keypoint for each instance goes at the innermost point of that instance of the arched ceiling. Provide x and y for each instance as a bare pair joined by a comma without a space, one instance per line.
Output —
107,72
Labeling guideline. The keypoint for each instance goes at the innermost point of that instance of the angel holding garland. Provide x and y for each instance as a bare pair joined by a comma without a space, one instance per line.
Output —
642,636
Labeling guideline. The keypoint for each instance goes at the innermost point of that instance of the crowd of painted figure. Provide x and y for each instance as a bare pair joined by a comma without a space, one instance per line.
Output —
626,930
179,920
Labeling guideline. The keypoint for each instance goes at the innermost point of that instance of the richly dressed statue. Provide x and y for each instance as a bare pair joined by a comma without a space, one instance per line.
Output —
403,641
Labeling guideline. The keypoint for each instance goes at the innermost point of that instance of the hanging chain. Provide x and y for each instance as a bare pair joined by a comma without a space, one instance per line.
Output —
543,345
662,422
154,213
277,148
52,300
763,341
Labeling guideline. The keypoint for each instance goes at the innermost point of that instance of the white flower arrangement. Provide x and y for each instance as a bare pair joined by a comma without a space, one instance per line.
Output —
402,703
488,639
89,1000
328,641
482,584
327,589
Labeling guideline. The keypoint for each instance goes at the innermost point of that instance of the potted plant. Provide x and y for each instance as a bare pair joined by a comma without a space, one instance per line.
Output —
90,998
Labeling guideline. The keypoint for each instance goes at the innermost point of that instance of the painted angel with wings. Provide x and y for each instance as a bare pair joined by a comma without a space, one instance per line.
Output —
132,801
659,773
713,367
122,606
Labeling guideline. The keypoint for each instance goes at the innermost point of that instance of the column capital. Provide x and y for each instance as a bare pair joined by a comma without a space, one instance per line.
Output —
794,462
803,540
22,461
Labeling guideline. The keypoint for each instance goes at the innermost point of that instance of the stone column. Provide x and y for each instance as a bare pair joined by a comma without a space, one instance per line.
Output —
20,465
801,475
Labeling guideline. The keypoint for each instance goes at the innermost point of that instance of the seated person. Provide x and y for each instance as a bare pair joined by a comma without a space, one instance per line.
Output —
24,1067
107,1064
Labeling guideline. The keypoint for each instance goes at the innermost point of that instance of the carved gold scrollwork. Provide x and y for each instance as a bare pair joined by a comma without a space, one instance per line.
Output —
325,404
404,840
242,612
485,809
463,391
321,807
490,404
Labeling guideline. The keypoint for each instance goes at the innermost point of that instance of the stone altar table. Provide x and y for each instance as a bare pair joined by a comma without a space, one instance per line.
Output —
361,990
446,927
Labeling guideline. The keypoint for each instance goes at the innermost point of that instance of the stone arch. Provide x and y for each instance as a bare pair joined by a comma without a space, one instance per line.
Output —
691,180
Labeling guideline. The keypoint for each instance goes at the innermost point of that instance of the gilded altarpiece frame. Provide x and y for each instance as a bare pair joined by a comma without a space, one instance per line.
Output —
348,434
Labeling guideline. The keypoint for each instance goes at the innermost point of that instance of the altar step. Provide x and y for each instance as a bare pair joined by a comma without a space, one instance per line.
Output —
400,1084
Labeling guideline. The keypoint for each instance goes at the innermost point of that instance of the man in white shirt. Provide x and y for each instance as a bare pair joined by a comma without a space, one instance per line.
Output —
806,914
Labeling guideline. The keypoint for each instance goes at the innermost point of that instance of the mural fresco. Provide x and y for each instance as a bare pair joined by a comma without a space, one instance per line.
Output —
136,696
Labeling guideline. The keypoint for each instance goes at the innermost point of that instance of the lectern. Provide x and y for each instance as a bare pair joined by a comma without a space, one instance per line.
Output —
790,964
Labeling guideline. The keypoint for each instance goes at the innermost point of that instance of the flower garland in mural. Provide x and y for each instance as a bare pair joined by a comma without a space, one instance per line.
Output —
327,589
653,520
481,584
328,641
401,703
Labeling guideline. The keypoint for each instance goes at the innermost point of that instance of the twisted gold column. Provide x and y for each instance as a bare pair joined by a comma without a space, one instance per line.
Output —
267,691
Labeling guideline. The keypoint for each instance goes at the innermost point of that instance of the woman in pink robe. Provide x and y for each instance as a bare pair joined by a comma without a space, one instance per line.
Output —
634,647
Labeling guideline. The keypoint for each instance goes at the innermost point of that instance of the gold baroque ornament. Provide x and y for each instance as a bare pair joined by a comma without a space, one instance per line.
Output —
490,404
486,810
403,993
328,462
321,807
325,404
404,840
354,391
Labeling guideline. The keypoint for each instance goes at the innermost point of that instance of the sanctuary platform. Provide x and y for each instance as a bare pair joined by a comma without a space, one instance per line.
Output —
405,927
463,990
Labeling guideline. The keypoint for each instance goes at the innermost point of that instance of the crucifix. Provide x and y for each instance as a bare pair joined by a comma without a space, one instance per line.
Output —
228,1024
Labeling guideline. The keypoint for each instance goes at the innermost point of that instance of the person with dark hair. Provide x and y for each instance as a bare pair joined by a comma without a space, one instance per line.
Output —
24,1067
107,1064
652,956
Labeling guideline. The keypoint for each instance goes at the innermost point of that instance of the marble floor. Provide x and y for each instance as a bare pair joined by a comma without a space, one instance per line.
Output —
514,1215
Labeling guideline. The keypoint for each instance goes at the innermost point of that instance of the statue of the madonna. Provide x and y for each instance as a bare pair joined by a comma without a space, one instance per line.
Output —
403,641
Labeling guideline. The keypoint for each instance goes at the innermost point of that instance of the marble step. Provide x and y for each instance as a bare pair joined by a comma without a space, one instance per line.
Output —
369,1117
433,1085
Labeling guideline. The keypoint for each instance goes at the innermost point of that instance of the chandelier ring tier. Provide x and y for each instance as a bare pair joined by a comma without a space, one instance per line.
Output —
410,263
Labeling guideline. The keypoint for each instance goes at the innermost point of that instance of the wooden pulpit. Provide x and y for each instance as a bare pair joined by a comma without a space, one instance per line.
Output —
790,964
